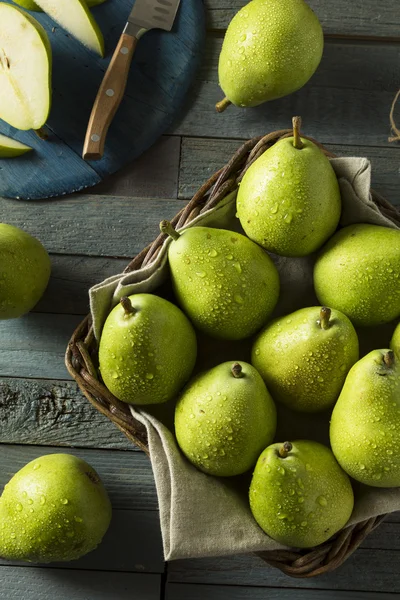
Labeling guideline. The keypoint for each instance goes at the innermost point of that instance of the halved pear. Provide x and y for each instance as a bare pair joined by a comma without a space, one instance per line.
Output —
25,69
10,148
75,17
31,5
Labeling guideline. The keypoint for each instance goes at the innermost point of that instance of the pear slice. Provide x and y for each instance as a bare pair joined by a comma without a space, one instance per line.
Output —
25,69
10,148
31,5
75,17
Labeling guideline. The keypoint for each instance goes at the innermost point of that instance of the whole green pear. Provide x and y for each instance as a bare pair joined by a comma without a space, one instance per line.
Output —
147,350
54,509
304,357
226,284
224,418
357,272
24,271
365,424
299,495
395,342
289,199
271,49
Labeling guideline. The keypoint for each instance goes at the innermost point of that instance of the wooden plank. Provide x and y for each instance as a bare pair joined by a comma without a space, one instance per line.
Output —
34,345
365,571
54,413
201,158
153,175
91,225
71,278
131,544
46,584
346,102
359,17
179,591
127,476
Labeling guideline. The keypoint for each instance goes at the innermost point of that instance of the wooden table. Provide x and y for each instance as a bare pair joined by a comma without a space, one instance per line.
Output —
92,235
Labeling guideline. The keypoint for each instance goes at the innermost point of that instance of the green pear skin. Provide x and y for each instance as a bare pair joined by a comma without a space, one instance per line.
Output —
299,495
304,357
358,273
147,350
271,49
289,199
31,5
224,418
24,271
365,424
395,341
226,284
54,509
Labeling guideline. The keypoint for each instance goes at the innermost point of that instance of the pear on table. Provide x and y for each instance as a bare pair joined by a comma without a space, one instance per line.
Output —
357,272
226,284
10,148
25,69
365,424
224,419
75,17
54,509
147,350
299,495
304,357
289,199
270,50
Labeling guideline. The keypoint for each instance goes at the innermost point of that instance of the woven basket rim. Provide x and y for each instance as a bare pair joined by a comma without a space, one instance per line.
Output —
81,356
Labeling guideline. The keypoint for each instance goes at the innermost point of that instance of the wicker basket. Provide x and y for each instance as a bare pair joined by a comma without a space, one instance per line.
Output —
81,356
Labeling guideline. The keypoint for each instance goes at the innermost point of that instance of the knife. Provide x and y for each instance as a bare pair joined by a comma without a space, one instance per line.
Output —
145,15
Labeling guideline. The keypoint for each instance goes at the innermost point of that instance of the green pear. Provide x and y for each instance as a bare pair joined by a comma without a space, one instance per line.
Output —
31,5
395,342
289,199
10,148
357,272
25,69
226,284
54,509
304,357
24,271
299,495
270,50
224,418
147,350
365,424
76,18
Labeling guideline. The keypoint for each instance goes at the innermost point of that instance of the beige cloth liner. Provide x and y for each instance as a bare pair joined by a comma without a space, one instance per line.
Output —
202,515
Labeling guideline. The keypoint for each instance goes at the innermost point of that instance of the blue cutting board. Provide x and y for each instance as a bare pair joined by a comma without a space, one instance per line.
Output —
161,73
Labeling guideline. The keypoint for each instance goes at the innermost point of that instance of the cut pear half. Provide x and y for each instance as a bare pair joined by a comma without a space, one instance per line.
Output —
25,69
10,148
31,5
75,17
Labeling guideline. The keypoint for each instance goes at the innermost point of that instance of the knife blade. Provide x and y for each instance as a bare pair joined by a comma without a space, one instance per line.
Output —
145,15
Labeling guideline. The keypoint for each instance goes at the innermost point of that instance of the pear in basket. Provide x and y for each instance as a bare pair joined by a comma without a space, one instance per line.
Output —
226,284
299,495
365,424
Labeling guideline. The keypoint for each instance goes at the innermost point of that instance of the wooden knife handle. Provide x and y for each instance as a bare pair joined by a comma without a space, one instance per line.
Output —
109,98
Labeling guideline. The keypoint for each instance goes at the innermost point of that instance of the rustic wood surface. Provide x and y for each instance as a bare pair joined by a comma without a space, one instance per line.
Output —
92,235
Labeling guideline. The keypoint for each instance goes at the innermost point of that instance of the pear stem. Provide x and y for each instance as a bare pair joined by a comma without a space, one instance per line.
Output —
166,227
127,306
237,370
222,105
324,316
285,449
297,143
41,133
388,358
